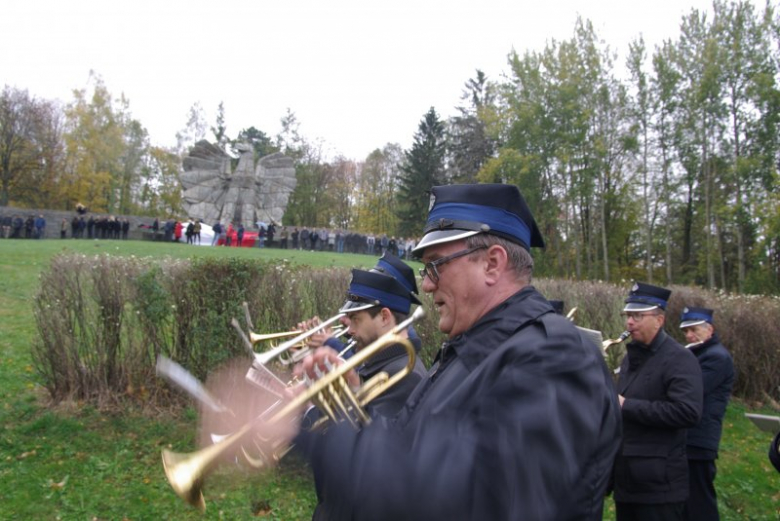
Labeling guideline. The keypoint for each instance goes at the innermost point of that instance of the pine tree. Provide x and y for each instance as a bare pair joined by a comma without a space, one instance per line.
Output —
423,169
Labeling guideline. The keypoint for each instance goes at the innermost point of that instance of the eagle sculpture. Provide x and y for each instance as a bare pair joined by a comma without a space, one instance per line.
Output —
247,195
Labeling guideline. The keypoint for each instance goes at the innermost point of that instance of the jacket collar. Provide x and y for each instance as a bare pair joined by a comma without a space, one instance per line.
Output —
707,343
490,331
638,352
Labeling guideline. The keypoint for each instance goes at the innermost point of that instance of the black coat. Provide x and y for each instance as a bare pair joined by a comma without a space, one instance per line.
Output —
390,360
774,455
662,386
517,419
717,370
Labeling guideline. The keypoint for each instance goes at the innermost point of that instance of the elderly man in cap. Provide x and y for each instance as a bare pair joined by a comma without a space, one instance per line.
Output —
717,370
517,418
660,393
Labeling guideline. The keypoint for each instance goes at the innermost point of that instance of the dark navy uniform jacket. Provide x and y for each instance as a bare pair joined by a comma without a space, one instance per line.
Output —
390,360
517,419
717,370
662,385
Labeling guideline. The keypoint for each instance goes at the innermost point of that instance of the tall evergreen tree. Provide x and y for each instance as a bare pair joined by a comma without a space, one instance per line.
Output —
470,145
423,169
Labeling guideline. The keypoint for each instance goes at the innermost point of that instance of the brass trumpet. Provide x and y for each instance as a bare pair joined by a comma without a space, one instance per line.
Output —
256,338
281,350
331,394
607,343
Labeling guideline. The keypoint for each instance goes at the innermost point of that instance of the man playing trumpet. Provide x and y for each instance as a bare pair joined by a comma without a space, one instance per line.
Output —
375,305
389,265
517,418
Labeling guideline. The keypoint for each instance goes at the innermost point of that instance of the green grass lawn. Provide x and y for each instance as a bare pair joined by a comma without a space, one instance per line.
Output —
74,462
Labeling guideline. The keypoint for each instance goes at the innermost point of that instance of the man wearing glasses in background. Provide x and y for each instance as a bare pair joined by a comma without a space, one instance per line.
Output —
660,394
516,419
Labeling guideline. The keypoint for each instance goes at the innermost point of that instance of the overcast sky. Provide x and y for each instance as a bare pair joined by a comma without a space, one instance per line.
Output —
357,73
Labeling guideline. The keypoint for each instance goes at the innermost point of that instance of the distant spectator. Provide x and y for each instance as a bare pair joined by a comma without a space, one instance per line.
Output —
196,227
40,226
217,233
305,243
168,230
323,239
240,235
64,228
294,236
29,226
6,226
313,239
229,234
90,227
177,231
261,233
283,238
17,225
269,234
125,228
189,231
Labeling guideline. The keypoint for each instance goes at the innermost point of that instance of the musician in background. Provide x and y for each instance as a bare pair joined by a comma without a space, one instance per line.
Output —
375,304
660,393
717,370
517,419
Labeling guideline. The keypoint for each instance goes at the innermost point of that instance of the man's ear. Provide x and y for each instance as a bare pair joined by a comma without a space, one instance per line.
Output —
496,261
387,315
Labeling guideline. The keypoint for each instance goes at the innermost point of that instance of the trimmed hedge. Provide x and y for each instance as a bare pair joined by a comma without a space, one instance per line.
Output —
103,320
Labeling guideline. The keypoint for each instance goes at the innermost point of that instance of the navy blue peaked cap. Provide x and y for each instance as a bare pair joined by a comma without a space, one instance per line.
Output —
391,265
368,289
644,297
694,316
460,211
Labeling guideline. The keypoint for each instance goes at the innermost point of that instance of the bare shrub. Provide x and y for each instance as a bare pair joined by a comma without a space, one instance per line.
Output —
80,313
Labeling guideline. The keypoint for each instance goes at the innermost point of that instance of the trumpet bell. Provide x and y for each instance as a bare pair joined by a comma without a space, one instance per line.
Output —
180,469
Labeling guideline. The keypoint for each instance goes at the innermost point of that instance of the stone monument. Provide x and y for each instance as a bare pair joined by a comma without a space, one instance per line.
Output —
247,195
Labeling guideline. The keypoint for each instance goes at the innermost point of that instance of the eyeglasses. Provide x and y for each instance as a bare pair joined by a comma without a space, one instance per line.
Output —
431,268
636,317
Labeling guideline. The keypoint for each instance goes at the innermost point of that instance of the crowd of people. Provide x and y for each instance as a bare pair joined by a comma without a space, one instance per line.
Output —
95,227
311,239
16,226
80,226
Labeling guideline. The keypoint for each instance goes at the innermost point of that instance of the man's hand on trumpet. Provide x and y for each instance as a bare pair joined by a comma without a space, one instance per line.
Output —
320,362
320,338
